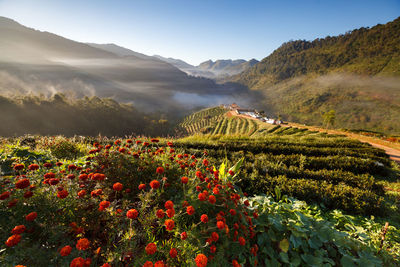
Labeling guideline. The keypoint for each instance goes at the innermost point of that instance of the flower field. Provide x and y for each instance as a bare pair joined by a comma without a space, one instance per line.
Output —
194,202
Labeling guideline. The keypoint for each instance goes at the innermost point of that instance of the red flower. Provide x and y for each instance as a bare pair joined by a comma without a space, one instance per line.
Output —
151,249
202,197
170,213
96,192
169,224
204,218
214,236
28,194
5,195
19,229
201,260
62,194
190,210
33,167
160,214
205,162
160,170
83,244
13,240
81,193
184,180
184,235
232,212
213,249
106,265
235,263
169,204
212,199
154,184
77,262
220,225
154,140
242,241
65,251
231,173
148,264
48,165
31,216
173,253
22,183
118,186
98,177
19,167
83,176
160,264
103,205
246,202
132,214
142,187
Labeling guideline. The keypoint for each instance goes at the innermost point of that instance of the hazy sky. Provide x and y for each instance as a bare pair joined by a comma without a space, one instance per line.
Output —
196,31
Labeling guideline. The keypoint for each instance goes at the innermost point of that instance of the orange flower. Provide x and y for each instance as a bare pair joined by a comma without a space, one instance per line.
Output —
202,197
106,265
118,186
184,180
160,170
148,264
169,204
220,225
235,263
173,253
170,213
184,235
160,264
81,193
232,212
31,216
214,236
160,214
19,229
142,186
77,262
204,218
62,194
13,240
65,251
132,214
83,244
201,260
154,184
103,205
22,183
190,210
212,199
33,167
169,224
18,167
151,249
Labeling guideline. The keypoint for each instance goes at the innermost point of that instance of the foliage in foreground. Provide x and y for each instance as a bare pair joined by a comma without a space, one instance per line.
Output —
140,203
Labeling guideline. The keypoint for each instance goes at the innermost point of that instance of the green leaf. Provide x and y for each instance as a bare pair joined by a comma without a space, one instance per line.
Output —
284,245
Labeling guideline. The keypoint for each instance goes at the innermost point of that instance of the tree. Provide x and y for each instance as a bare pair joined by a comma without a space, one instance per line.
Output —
329,118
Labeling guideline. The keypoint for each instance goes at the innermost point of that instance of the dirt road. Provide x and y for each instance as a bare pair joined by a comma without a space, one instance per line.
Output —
392,149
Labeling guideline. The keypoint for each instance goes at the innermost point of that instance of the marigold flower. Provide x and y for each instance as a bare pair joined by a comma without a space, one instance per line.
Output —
220,225
28,194
173,253
33,167
160,264
184,180
154,140
83,177
160,214
83,244
19,229
169,204
132,214
190,210
142,186
169,224
48,165
62,194
77,262
154,184
117,186
148,264
212,199
213,249
202,197
246,202
232,212
31,216
103,205
5,195
81,193
214,236
106,265
184,235
204,218
201,260
65,251
170,213
151,248
160,170
242,241
235,263
98,177
19,167
22,183
12,203
13,240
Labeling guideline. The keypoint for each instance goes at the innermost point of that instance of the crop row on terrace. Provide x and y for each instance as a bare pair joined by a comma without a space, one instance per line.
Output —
343,178
156,204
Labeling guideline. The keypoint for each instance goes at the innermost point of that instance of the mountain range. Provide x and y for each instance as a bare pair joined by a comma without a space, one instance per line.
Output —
38,62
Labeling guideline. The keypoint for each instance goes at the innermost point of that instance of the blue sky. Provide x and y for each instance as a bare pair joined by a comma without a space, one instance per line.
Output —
196,31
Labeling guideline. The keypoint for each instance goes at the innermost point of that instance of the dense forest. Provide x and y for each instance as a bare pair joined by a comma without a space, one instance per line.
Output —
357,74
85,116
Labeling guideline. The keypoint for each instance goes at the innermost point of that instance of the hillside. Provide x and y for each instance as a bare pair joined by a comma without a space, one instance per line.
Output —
357,74
45,63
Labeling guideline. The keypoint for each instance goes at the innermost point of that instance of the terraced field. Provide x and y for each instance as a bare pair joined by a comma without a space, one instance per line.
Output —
202,121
